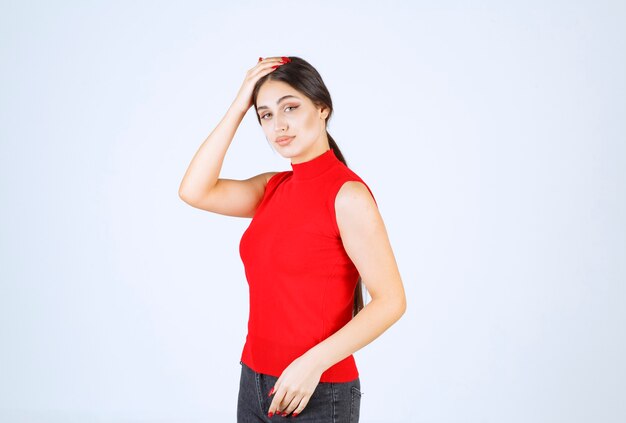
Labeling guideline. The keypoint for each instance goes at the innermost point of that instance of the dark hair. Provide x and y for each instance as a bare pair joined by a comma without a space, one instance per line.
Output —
305,79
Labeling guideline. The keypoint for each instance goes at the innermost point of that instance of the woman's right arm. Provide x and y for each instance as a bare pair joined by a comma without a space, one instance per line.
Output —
201,186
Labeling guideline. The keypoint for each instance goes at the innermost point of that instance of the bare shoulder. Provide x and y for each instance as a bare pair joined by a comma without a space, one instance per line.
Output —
260,181
354,195
268,176
356,210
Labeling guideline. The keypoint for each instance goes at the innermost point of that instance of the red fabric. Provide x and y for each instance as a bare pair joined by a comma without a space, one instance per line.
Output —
301,280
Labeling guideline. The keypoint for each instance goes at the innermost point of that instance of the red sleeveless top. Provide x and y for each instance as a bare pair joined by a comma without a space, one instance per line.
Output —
301,280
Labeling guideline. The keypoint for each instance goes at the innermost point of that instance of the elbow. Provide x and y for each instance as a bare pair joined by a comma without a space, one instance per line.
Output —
181,190
395,307
402,308
182,195
186,197
192,195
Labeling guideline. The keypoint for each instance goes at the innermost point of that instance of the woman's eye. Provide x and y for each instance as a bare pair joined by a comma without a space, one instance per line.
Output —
288,107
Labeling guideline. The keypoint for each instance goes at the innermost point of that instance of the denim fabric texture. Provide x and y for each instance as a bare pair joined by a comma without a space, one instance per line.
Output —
330,403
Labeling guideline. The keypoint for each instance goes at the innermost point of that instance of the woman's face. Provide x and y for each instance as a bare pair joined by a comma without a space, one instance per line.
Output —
285,112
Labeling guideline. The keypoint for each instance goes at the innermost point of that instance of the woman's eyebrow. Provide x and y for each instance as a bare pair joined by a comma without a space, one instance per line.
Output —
279,100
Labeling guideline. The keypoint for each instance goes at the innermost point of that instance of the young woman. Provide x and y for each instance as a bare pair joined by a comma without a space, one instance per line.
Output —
315,232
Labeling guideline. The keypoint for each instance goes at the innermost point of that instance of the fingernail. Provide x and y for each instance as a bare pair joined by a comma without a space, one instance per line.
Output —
294,414
270,394
274,67
285,59
270,414
260,58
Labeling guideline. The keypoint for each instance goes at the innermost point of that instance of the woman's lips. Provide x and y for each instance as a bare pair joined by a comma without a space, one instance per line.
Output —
284,140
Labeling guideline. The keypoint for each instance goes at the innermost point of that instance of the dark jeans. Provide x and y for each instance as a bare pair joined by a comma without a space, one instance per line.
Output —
331,402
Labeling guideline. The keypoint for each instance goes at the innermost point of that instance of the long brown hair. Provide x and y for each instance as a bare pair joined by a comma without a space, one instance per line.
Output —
305,79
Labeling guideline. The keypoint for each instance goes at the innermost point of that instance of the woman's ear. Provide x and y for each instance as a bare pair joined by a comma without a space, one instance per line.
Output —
324,111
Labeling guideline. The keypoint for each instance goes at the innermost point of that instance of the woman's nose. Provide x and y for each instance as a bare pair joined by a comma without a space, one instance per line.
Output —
280,125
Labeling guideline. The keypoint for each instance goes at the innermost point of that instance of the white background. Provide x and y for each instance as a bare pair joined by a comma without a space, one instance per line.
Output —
491,133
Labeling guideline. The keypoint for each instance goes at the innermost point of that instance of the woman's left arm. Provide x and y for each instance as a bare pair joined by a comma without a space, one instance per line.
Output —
365,240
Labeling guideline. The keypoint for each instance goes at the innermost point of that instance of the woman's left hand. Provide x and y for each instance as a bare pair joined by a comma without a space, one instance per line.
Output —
294,387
